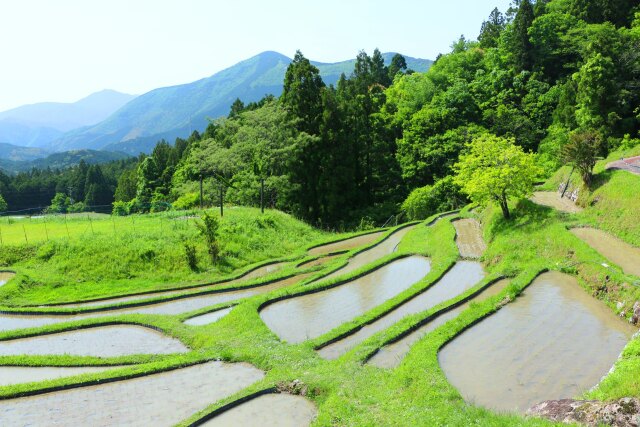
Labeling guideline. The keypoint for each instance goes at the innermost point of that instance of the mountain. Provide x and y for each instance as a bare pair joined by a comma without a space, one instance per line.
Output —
16,153
36,125
61,160
178,110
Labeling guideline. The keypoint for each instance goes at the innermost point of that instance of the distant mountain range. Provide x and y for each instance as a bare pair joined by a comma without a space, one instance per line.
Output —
176,111
37,125
59,160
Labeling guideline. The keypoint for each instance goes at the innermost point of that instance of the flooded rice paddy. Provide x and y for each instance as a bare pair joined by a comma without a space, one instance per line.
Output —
384,248
103,341
347,244
391,355
10,375
162,399
254,274
208,318
612,248
5,276
174,307
269,410
463,276
469,238
555,341
309,316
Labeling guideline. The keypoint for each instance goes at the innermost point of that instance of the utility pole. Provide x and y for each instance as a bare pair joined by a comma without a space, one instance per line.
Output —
221,200
201,198
262,195
564,190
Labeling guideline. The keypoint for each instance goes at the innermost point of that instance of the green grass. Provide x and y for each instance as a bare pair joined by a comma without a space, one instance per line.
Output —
347,391
110,256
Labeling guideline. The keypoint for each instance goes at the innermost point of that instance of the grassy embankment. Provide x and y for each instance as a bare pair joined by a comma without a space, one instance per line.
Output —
417,392
120,255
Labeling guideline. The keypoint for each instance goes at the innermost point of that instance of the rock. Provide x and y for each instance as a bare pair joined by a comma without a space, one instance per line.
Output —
619,305
621,413
635,318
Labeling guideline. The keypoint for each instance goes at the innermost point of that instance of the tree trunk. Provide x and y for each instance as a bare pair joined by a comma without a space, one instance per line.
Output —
505,208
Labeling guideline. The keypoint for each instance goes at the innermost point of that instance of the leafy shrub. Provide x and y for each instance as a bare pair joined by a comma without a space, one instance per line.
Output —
120,209
443,196
190,255
187,201
209,227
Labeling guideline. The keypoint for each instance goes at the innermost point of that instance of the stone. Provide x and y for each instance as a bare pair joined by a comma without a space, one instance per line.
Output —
635,318
624,412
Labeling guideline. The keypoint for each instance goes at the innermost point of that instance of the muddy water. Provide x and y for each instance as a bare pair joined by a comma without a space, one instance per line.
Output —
179,306
388,246
309,316
552,199
269,410
612,248
319,261
105,341
390,356
5,276
464,275
162,399
348,244
258,272
208,318
553,342
20,374
469,238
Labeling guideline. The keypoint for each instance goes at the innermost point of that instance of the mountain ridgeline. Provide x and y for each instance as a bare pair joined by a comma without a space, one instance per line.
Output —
38,125
176,111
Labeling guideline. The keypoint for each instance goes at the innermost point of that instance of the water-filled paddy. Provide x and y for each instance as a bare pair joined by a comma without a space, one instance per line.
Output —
104,341
555,341
178,306
391,355
309,316
26,374
208,318
254,274
384,248
269,410
612,248
5,276
162,399
461,277
469,238
347,244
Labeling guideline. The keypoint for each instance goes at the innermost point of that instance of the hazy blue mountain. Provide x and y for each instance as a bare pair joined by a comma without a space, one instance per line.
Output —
16,153
178,110
36,125
61,160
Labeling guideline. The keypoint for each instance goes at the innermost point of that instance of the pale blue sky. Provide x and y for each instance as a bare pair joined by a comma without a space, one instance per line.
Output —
63,50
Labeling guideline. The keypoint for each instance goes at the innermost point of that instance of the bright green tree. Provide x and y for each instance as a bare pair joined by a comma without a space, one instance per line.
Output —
496,170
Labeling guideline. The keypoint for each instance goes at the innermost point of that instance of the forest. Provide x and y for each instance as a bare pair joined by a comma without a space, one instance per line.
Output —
385,139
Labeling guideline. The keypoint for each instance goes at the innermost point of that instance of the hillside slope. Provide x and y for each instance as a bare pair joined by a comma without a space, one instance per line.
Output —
36,125
178,110
61,160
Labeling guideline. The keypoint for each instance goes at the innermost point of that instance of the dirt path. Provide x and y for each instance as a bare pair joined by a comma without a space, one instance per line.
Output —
632,164
156,400
552,199
612,248
469,238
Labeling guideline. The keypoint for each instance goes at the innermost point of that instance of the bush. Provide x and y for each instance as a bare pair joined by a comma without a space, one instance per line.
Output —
443,196
187,201
120,209
209,227
76,207
190,255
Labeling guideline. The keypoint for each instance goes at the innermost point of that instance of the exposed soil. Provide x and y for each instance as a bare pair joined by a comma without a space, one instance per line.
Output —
552,199
612,248
469,238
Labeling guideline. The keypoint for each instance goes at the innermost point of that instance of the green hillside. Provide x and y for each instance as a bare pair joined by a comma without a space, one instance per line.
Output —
61,160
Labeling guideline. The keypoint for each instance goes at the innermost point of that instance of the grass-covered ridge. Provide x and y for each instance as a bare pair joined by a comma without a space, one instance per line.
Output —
108,256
